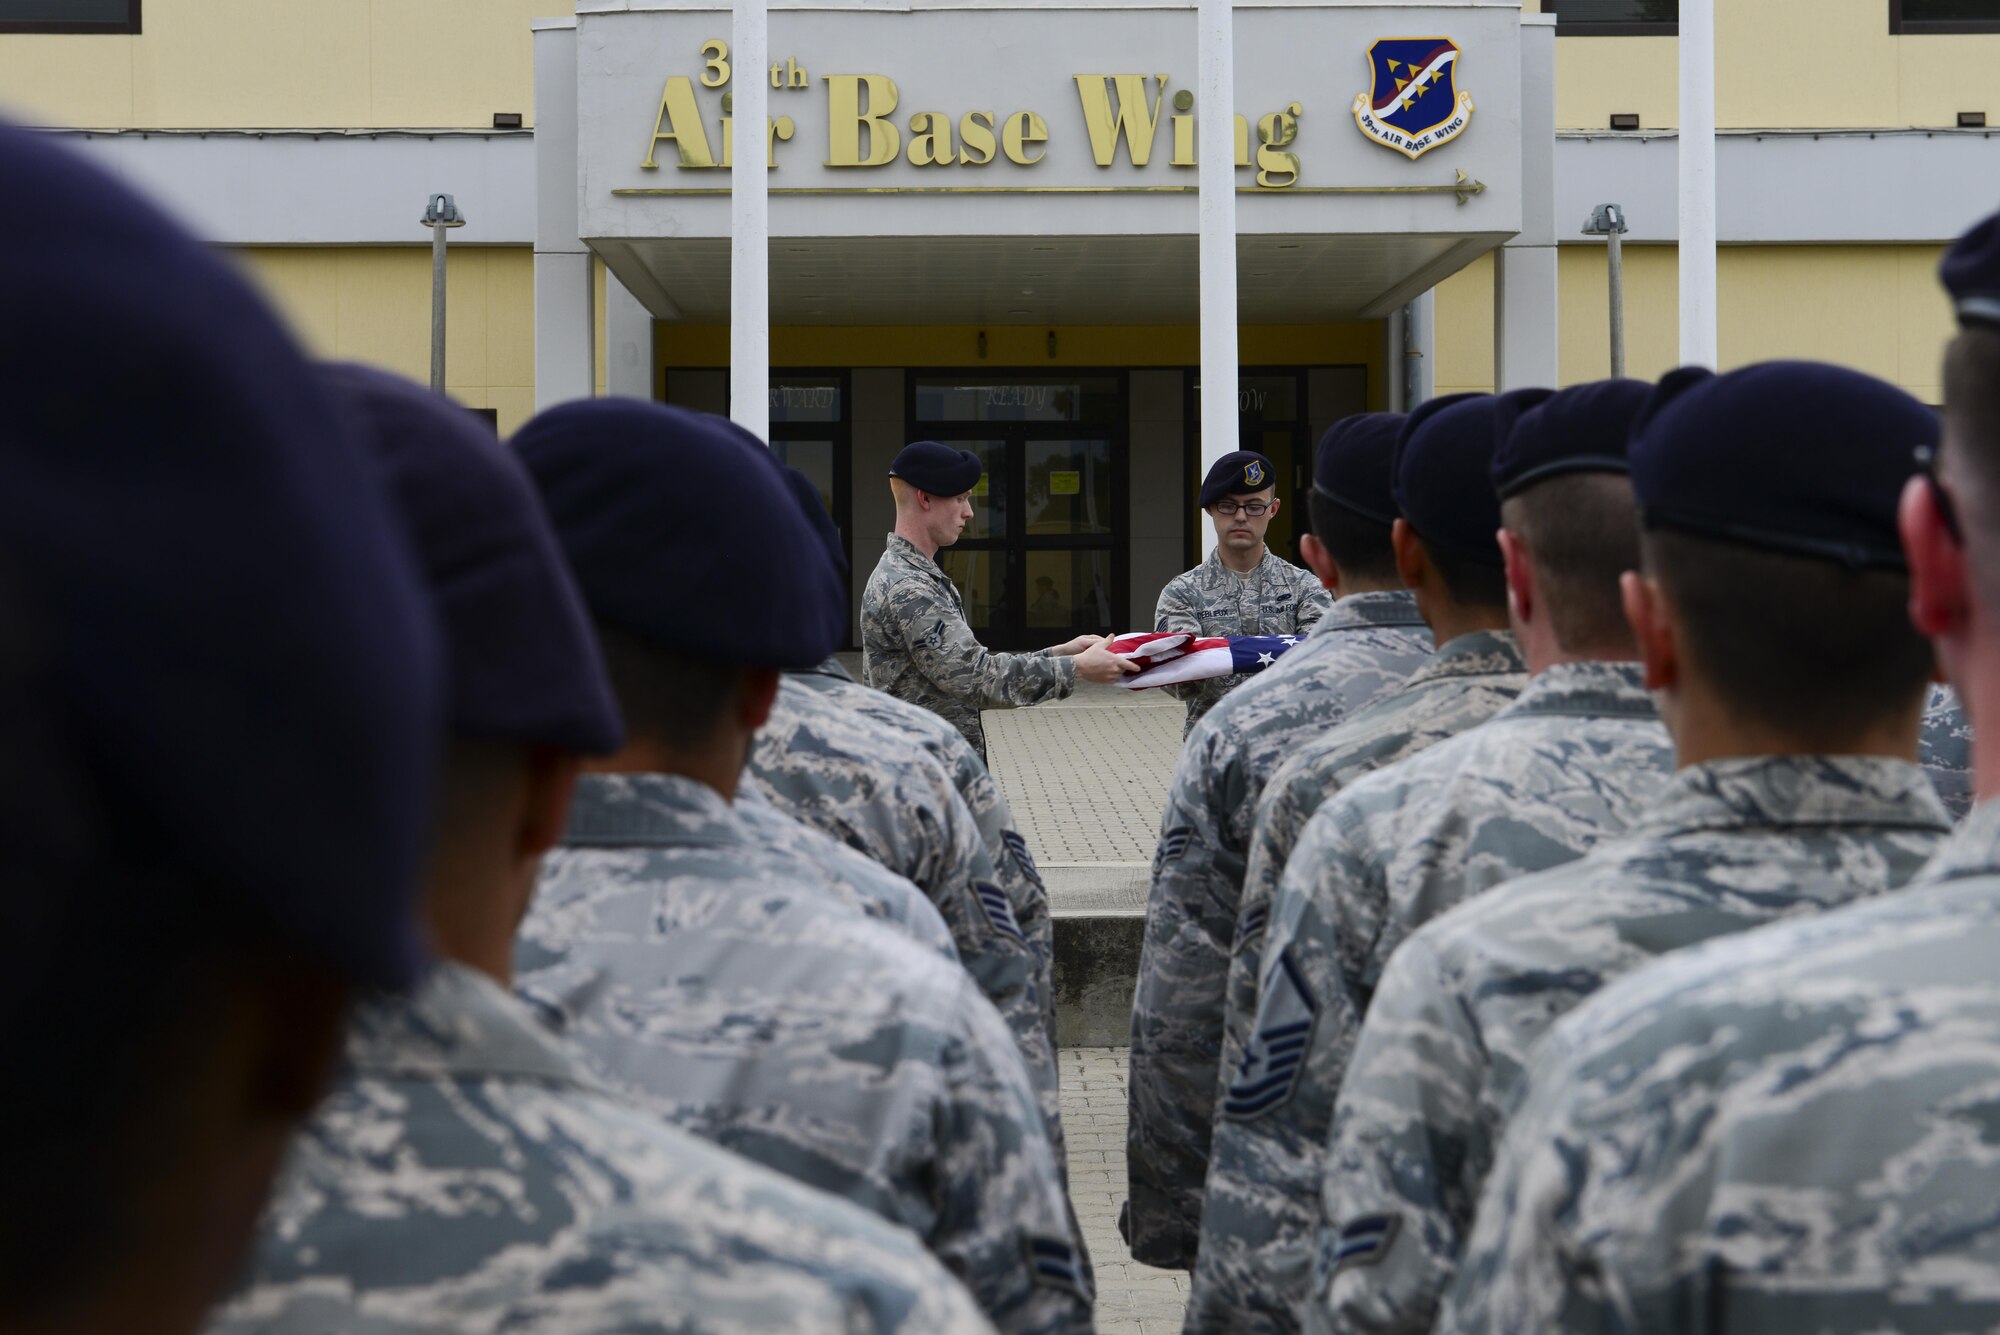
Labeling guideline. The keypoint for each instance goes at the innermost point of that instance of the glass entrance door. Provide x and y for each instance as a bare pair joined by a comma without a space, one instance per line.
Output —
1043,559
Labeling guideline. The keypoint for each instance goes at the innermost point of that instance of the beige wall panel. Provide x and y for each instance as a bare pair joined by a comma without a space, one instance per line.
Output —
1463,324
67,79
1827,303
1925,322
373,305
1941,76
245,63
1652,313
1596,76
453,62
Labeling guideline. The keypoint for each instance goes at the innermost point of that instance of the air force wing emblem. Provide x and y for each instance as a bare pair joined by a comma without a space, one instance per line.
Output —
1415,103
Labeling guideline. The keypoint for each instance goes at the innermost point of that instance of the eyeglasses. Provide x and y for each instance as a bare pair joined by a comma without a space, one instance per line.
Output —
1927,466
1228,509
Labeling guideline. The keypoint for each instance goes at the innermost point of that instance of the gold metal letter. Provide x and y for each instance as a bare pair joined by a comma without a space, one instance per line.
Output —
795,73
846,120
1183,141
1242,142
975,136
680,121
781,128
930,139
716,52
1273,133
1024,128
1133,119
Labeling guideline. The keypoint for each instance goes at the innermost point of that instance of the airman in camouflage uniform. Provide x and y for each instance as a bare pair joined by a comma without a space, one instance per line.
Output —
1277,598
915,641
668,945
1570,761
1012,859
1367,644
1728,846
1944,749
1466,682
467,1174
851,879
878,794
1243,588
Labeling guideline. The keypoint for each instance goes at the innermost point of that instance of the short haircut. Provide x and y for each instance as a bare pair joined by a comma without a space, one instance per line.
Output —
667,697
1358,544
1806,645
1582,533
1972,421
1470,582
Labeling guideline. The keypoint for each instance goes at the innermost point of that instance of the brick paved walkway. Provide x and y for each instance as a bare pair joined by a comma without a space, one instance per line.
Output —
1132,1299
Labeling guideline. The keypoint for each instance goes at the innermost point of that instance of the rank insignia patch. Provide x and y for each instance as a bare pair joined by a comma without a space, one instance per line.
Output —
1415,103
1276,1054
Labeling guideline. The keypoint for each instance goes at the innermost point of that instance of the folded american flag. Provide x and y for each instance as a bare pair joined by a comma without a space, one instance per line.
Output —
1172,656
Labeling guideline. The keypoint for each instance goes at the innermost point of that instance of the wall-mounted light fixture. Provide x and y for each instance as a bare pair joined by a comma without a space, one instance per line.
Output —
1624,120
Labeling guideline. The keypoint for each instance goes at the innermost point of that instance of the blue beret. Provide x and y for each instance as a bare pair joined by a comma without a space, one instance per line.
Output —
1970,271
1542,433
937,469
1795,457
1237,473
241,649
806,492
1351,467
521,660
682,532
1441,485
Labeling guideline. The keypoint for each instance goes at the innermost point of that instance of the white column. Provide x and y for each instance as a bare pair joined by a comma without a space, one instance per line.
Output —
565,300
1525,342
1697,183
1420,350
628,343
1215,151
750,225
1395,338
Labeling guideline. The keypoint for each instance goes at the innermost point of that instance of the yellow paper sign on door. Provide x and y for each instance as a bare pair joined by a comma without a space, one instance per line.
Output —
1065,484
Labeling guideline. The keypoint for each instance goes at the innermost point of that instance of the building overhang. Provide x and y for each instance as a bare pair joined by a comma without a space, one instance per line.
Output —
1028,163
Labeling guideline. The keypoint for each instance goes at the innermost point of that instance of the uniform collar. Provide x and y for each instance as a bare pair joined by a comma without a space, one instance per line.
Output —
1215,566
1356,610
1588,690
829,668
1482,653
908,553
1972,850
614,809
458,1024
1763,792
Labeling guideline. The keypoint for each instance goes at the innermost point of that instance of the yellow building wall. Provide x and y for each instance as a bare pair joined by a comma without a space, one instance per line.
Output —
373,305
1878,309
335,64
1811,64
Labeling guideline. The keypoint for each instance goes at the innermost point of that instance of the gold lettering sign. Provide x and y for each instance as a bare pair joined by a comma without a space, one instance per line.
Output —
1116,109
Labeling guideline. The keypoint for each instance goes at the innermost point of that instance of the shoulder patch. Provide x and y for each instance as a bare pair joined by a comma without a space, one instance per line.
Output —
1276,1054
1018,846
936,637
1053,1264
1364,1241
999,911
1175,842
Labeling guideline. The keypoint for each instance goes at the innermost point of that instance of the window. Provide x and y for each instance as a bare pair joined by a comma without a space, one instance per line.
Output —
1614,18
69,16
1944,16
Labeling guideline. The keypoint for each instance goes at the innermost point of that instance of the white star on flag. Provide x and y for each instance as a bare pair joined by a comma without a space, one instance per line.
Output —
1266,658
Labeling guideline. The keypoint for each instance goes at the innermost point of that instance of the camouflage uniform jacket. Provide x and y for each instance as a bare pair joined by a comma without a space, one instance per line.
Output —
1367,644
677,955
882,797
1730,845
1278,598
1944,749
465,1173
1787,1130
916,645
1019,876
854,880
1465,683
1572,760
